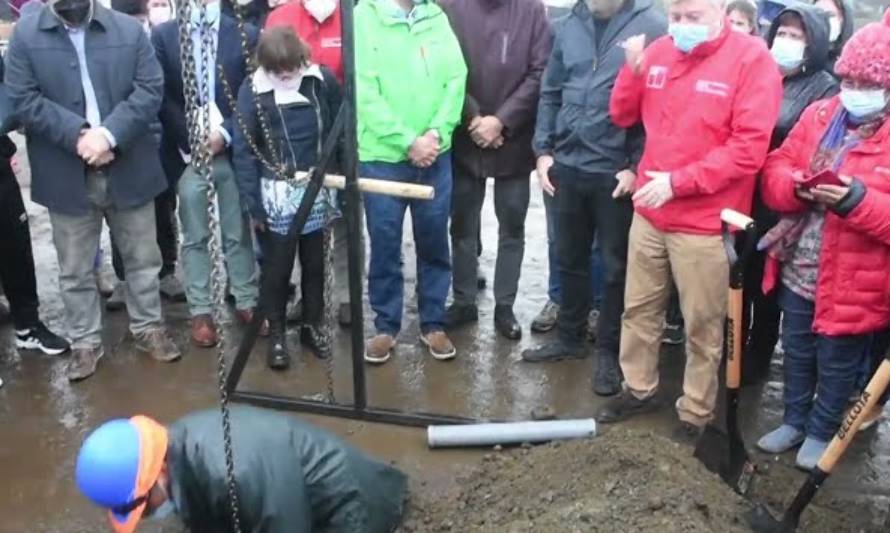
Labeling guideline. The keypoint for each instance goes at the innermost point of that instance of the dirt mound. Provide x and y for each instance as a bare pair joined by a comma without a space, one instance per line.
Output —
623,481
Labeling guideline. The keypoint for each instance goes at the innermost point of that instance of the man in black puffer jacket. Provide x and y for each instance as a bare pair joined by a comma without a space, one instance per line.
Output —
799,41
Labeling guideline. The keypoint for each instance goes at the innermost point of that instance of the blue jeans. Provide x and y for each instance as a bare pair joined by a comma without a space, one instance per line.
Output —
385,216
820,370
554,287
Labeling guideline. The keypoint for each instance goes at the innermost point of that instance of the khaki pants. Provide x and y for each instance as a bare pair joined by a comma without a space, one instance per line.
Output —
700,270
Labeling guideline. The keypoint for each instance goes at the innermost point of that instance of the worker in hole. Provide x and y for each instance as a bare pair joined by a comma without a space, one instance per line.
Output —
290,476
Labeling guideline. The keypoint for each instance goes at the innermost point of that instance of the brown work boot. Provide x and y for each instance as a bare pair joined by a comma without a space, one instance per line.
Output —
83,363
439,344
378,350
158,345
245,316
204,331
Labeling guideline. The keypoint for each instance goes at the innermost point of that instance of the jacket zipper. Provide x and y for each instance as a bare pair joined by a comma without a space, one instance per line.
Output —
504,49
317,107
290,146
426,65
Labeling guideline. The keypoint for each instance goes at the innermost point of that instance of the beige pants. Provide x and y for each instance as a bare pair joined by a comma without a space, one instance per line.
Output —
700,269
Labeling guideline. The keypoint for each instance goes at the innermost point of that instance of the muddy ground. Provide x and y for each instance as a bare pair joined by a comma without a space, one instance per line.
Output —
614,482
627,480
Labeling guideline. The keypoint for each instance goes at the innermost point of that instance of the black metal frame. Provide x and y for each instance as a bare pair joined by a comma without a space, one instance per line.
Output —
344,124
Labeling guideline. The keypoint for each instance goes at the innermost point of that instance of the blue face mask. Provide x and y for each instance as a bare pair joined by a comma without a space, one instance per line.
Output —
788,53
211,14
863,103
687,36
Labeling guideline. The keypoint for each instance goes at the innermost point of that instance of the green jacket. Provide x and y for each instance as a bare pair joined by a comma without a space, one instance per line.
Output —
410,78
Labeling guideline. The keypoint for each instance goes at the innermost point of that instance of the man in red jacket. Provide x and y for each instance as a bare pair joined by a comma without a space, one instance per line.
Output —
708,98
318,23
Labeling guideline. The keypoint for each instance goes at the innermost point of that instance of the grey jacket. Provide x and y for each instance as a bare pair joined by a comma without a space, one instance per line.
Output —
573,114
43,82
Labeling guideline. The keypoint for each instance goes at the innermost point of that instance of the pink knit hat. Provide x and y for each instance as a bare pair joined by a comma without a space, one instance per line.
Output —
866,56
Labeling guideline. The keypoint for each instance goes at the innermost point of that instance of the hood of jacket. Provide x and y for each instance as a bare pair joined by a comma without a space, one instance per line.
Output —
815,24
847,28
582,10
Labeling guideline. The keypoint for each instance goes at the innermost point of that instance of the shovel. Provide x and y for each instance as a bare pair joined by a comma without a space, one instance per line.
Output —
723,452
760,519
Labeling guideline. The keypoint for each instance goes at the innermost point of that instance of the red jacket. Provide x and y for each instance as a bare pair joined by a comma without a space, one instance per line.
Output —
853,288
708,115
324,39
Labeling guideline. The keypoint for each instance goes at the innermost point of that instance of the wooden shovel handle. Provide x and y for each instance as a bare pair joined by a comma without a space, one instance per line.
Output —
734,339
389,188
853,419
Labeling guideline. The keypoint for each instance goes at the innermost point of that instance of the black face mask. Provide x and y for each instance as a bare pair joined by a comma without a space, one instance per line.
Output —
73,12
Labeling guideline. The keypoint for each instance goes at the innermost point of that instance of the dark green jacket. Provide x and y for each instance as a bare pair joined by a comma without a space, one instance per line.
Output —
292,477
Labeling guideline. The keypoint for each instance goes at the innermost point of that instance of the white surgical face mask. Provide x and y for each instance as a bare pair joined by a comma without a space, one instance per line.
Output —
788,52
291,84
159,14
320,10
834,29
862,103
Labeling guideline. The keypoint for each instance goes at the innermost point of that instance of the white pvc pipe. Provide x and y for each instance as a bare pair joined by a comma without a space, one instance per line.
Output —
509,432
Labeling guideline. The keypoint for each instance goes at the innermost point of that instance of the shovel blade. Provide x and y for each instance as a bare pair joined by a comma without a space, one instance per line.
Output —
725,454
762,521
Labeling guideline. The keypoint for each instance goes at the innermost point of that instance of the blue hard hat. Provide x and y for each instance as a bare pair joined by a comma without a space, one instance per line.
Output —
108,464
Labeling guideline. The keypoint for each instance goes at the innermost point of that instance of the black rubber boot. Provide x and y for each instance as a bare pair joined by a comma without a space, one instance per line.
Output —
314,338
278,357
607,380
554,351
506,324
460,315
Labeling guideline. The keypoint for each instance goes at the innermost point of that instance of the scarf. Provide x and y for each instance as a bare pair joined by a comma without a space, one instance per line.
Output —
844,133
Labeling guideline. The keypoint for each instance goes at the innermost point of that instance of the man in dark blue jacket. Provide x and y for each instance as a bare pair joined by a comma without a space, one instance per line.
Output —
175,153
581,154
86,85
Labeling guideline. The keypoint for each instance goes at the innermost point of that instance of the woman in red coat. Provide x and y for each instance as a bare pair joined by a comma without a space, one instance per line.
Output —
830,253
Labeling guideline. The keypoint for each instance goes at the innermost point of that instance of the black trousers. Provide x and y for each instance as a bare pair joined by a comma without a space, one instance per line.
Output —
311,252
584,209
167,231
16,258
511,197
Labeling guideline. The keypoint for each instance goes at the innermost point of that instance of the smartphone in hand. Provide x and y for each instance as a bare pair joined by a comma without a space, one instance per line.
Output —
825,177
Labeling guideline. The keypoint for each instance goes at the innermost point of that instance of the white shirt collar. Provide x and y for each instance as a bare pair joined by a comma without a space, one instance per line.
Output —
262,84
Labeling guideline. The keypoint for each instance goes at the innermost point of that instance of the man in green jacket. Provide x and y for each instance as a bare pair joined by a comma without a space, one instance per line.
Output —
410,84
290,476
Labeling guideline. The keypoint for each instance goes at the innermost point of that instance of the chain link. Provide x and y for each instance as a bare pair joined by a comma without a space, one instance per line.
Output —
329,309
198,121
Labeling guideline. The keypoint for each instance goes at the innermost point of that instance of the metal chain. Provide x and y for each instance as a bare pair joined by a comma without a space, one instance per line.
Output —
198,120
329,308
